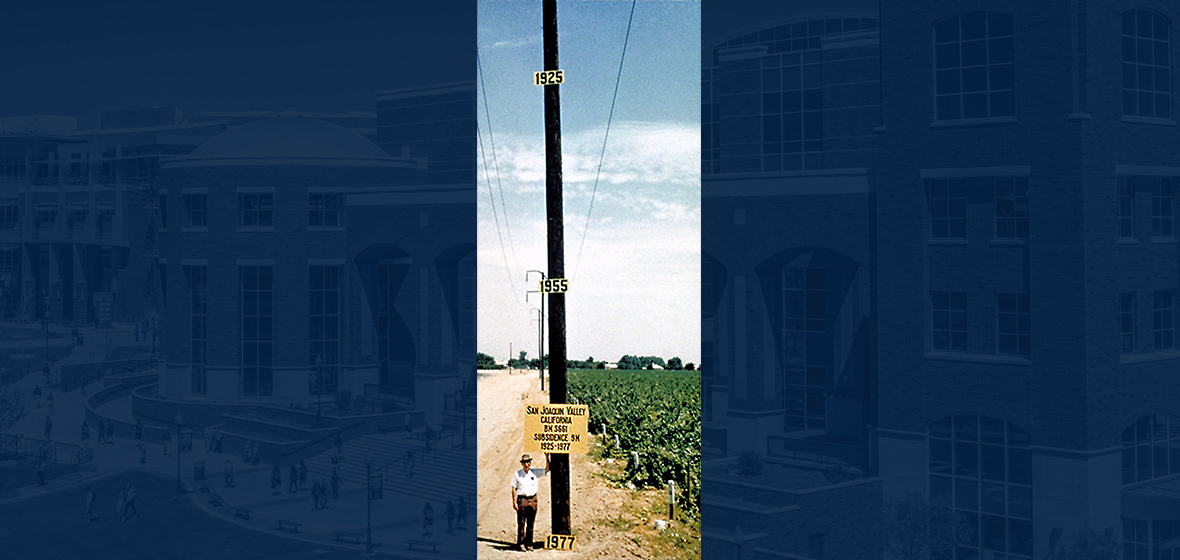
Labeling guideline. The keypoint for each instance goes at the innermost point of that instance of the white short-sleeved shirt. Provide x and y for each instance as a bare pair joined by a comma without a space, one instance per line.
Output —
525,481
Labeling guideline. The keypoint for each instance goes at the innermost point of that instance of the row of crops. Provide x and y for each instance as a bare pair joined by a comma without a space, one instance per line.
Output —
655,413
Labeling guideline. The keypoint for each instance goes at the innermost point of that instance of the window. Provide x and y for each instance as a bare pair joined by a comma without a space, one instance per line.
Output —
9,257
1162,318
949,320
981,468
256,209
197,205
1161,207
198,326
46,217
1012,324
792,112
323,210
710,125
1012,207
1126,207
1151,448
1127,321
948,209
325,326
9,213
256,312
105,223
77,219
806,368
974,76
44,256
1146,65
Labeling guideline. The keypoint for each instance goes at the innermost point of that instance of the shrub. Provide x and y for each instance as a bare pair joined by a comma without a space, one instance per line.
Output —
358,403
750,463
388,405
342,399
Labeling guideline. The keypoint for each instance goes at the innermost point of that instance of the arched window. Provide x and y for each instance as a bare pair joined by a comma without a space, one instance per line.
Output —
981,467
1147,76
973,70
1151,448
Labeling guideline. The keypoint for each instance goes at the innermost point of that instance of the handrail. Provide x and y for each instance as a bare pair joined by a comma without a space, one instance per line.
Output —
338,432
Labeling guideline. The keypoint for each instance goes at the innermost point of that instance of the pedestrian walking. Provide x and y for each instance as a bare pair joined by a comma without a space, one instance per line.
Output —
229,474
120,505
254,453
450,513
461,522
41,468
37,395
217,440
339,444
111,432
137,332
102,431
208,440
48,428
293,482
167,441
324,494
49,400
142,452
336,484
427,520
246,453
302,475
85,433
276,481
130,505
90,515
315,497
138,430
408,469
45,371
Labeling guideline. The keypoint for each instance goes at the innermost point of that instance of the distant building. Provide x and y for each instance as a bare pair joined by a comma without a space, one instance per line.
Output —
435,122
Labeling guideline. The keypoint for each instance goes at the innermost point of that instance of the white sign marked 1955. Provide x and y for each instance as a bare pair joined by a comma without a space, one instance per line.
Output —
553,285
548,77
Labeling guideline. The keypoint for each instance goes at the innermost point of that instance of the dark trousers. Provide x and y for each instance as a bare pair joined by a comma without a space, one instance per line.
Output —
526,513
40,478
130,506
293,486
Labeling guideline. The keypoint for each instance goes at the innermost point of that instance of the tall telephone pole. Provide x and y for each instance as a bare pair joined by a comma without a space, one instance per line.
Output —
559,462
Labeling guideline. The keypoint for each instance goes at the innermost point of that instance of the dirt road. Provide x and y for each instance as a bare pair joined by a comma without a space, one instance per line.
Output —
501,442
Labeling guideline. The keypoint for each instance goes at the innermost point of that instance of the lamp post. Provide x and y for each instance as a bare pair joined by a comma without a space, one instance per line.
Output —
463,410
45,320
179,487
369,502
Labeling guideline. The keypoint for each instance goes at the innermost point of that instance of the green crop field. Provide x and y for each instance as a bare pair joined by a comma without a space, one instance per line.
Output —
657,414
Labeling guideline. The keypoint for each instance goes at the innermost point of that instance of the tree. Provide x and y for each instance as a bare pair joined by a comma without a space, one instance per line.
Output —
521,362
630,362
918,530
12,407
690,367
675,363
484,361
1086,544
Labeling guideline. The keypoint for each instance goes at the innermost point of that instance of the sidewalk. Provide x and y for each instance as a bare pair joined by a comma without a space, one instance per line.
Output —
396,517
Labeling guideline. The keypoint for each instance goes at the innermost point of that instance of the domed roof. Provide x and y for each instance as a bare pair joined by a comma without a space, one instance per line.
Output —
288,138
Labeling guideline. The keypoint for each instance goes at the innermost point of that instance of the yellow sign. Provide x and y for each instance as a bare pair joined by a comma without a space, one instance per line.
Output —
556,428
560,542
553,285
548,77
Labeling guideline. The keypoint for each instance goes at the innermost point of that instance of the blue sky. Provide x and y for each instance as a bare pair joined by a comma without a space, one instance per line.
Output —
635,287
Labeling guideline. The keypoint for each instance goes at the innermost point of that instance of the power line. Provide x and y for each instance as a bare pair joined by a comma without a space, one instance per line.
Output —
495,163
602,154
507,268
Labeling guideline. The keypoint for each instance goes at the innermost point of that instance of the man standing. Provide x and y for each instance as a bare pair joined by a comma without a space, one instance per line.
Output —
90,515
37,395
111,432
302,475
229,474
49,399
427,520
276,481
461,522
335,484
138,430
524,499
293,482
48,428
41,472
130,502
102,431
167,442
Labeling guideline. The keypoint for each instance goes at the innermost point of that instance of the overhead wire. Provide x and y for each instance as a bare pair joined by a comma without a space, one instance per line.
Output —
495,162
602,153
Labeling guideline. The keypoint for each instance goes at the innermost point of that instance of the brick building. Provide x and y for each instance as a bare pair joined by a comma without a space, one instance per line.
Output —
963,277
302,259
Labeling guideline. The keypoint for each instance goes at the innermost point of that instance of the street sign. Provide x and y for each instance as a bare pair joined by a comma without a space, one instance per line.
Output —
560,542
375,487
556,428
553,285
186,442
548,77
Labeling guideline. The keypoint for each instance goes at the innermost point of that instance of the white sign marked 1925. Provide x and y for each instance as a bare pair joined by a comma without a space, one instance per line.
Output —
548,77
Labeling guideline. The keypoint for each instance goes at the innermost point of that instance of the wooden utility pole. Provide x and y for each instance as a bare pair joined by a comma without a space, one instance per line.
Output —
559,462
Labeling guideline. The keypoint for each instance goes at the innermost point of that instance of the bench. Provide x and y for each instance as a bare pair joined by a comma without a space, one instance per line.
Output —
284,523
411,543
215,500
243,513
341,535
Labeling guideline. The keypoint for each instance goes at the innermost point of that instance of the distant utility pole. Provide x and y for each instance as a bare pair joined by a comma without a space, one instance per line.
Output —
559,462
540,327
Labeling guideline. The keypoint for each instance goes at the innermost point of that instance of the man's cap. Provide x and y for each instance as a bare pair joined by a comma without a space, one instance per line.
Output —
526,458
